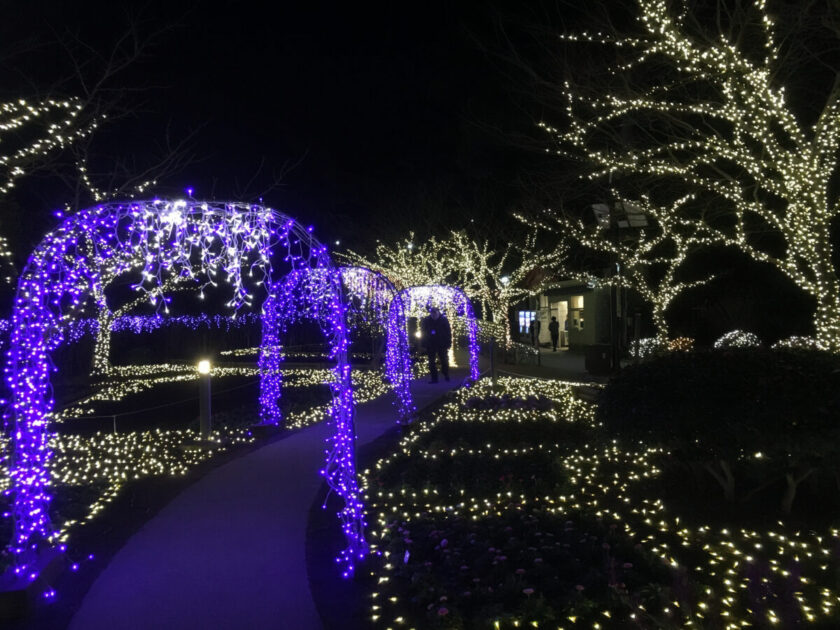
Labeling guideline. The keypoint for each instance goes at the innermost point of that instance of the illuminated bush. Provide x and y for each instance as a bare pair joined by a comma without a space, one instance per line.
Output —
650,347
738,339
799,343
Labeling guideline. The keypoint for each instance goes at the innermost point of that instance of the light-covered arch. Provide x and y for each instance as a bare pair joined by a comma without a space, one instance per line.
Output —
368,294
379,297
442,296
227,242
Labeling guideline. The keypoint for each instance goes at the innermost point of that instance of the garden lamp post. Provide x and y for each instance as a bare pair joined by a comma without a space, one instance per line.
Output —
204,368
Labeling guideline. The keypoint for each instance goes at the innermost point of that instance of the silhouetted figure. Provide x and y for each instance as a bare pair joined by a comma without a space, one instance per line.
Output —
554,329
534,329
437,338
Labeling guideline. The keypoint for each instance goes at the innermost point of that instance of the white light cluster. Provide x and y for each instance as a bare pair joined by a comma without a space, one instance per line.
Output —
726,132
736,571
738,339
800,343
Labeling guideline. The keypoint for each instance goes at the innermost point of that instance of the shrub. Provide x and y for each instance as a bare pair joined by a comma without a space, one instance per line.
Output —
737,339
798,343
723,406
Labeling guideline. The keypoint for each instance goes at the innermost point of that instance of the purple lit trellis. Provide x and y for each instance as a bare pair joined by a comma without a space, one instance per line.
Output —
316,294
157,239
369,296
413,298
376,295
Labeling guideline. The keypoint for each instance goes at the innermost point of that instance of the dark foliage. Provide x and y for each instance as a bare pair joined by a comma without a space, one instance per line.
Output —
722,403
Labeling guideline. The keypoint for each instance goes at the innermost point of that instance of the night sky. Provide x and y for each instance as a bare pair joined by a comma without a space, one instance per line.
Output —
386,112
395,116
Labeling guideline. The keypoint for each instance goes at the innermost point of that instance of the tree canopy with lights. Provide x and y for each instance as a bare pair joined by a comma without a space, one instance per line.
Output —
492,278
650,259
697,101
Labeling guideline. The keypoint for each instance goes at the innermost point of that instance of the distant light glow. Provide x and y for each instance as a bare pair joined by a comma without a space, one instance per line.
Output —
421,298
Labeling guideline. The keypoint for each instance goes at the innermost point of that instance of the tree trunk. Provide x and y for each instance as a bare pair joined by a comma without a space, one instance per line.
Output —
501,322
102,346
660,323
827,316
793,482
723,475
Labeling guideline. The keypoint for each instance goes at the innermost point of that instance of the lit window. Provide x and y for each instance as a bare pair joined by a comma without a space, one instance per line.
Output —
577,301
525,319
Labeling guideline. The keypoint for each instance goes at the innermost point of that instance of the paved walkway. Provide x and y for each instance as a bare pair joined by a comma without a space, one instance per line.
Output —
563,365
229,552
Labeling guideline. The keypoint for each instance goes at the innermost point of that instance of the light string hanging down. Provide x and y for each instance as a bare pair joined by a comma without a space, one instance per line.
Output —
158,239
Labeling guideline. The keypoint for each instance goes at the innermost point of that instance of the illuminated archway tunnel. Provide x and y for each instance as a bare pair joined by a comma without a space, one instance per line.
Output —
208,241
448,299
375,296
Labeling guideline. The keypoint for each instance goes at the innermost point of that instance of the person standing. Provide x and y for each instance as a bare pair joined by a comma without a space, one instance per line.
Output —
554,329
437,339
534,329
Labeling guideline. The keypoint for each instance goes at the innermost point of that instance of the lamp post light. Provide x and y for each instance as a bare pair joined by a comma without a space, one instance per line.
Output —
204,368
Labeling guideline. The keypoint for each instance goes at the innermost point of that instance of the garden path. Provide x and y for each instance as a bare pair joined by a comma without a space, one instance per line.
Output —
229,552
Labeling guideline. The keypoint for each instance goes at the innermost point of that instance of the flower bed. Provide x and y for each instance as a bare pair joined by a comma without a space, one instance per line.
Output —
504,513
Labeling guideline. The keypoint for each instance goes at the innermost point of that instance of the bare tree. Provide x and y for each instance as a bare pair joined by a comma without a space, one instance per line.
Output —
51,129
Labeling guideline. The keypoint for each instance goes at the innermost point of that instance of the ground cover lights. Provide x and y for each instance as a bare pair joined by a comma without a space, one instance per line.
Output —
102,463
719,572
212,243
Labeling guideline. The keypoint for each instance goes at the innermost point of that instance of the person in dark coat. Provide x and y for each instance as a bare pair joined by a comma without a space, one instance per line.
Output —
534,329
437,338
554,329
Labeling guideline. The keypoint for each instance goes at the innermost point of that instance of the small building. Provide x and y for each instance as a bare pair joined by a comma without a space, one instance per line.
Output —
583,313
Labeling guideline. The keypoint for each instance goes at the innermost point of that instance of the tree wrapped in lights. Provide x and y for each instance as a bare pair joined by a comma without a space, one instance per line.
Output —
494,279
713,118
163,239
107,318
651,262
406,263
31,131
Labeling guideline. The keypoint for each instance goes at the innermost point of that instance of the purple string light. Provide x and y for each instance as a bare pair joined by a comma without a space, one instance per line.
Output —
423,297
316,294
373,294
155,239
